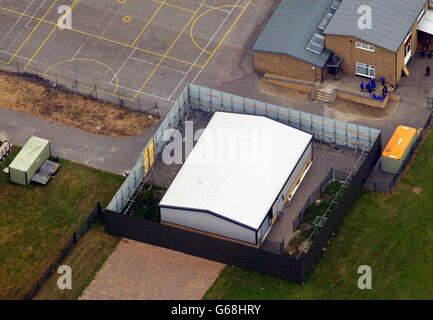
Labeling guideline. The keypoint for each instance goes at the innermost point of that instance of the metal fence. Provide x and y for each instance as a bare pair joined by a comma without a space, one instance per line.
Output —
76,84
332,175
325,130
340,210
137,174
76,236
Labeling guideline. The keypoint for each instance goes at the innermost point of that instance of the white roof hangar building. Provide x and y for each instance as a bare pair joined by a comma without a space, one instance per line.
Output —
237,178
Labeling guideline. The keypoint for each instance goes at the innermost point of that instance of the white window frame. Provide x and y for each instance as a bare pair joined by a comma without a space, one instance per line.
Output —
369,69
365,46
407,55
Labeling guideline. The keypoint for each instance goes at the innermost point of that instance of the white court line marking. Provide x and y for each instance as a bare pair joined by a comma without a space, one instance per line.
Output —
16,22
19,34
103,32
220,9
201,53
122,65
143,61
31,20
126,60
21,31
78,51
154,64
30,28
211,7
105,14
18,56
141,92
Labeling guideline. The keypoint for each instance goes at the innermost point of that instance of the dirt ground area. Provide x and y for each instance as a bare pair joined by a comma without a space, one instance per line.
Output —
363,110
138,271
283,92
36,99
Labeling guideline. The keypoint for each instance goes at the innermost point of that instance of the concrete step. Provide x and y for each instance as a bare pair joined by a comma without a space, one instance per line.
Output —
323,96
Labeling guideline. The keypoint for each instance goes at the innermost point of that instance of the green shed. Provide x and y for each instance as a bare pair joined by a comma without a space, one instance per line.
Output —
31,157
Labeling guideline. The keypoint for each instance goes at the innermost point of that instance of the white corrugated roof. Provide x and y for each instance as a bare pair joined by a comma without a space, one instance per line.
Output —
238,167
426,23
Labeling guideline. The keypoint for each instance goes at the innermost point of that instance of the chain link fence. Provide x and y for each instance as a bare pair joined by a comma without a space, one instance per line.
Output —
76,85
193,97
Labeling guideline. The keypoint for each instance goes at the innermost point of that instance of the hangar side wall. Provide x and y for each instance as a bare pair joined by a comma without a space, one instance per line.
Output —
293,176
207,222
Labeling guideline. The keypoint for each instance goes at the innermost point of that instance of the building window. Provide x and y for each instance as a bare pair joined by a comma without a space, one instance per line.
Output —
365,70
365,46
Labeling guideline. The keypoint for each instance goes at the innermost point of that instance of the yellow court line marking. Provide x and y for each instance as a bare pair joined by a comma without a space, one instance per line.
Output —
102,38
204,13
68,12
148,22
174,6
31,33
165,56
90,60
228,32
169,49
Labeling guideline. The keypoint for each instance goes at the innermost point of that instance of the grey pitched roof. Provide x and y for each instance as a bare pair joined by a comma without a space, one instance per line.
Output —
291,27
392,21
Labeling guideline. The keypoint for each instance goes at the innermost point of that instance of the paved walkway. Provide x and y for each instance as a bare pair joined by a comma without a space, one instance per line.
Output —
138,271
109,154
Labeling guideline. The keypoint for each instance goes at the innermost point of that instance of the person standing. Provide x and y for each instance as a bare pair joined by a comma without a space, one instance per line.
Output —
427,71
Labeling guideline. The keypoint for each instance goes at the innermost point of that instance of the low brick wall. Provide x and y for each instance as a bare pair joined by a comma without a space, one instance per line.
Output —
304,86
357,98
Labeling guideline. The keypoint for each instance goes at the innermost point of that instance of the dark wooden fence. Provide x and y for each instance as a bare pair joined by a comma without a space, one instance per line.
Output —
203,246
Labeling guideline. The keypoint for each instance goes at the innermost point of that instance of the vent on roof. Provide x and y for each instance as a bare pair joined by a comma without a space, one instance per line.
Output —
335,4
316,43
325,21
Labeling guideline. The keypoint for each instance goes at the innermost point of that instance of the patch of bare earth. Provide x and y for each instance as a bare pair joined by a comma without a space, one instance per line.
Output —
363,110
416,190
284,92
47,102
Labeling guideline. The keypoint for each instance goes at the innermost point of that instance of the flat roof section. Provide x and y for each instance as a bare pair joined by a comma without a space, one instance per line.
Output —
399,142
291,27
238,167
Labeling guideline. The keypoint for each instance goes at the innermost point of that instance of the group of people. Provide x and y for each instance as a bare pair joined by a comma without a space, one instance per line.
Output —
370,87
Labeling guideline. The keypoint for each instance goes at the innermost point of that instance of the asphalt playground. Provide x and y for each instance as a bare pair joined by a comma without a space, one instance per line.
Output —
127,50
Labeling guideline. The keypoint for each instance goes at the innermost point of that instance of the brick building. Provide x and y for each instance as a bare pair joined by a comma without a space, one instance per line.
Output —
305,39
